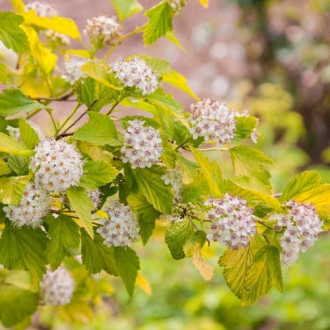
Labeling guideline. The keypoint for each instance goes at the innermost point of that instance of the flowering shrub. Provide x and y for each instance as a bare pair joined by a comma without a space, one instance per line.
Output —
76,202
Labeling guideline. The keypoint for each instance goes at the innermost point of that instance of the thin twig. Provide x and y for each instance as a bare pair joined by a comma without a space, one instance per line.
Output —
76,121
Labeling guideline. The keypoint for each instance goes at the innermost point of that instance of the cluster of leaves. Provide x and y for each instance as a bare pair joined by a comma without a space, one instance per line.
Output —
69,231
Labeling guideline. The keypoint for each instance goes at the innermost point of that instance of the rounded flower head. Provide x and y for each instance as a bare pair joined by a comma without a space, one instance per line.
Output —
42,9
176,5
142,146
136,73
57,287
57,164
302,228
35,204
173,177
122,228
103,29
212,120
232,221
72,72
95,196
57,38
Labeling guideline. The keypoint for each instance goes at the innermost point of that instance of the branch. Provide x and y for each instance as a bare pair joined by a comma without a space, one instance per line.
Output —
75,122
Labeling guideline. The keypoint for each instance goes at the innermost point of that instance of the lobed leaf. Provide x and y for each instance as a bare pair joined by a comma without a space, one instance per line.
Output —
83,206
24,249
160,22
127,264
177,234
14,100
64,236
100,130
96,256
11,34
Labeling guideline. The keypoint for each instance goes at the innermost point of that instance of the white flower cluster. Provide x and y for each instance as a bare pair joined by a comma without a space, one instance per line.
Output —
57,164
176,5
173,177
57,287
122,228
72,72
136,73
57,38
232,221
94,195
42,9
212,120
34,205
104,29
142,146
302,228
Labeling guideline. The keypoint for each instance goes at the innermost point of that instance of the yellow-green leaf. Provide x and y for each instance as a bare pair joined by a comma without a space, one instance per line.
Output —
11,146
160,22
98,72
12,188
179,81
58,24
126,8
83,206
264,273
4,169
211,173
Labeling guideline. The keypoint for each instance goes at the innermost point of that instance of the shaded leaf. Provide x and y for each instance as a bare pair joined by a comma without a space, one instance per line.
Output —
127,264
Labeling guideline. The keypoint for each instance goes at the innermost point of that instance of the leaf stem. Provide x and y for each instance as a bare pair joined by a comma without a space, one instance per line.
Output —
119,99
183,143
68,118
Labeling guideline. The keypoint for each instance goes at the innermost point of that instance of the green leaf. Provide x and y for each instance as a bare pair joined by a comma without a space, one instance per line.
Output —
179,81
12,188
254,198
3,73
192,192
91,91
158,65
146,213
251,162
244,127
16,304
263,273
193,248
198,239
176,237
319,196
64,235
28,135
83,206
24,249
211,173
127,264
95,255
100,73
97,174
236,264
100,130
167,104
126,8
11,146
299,184
14,100
160,22
4,169
19,164
58,24
154,189
11,34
